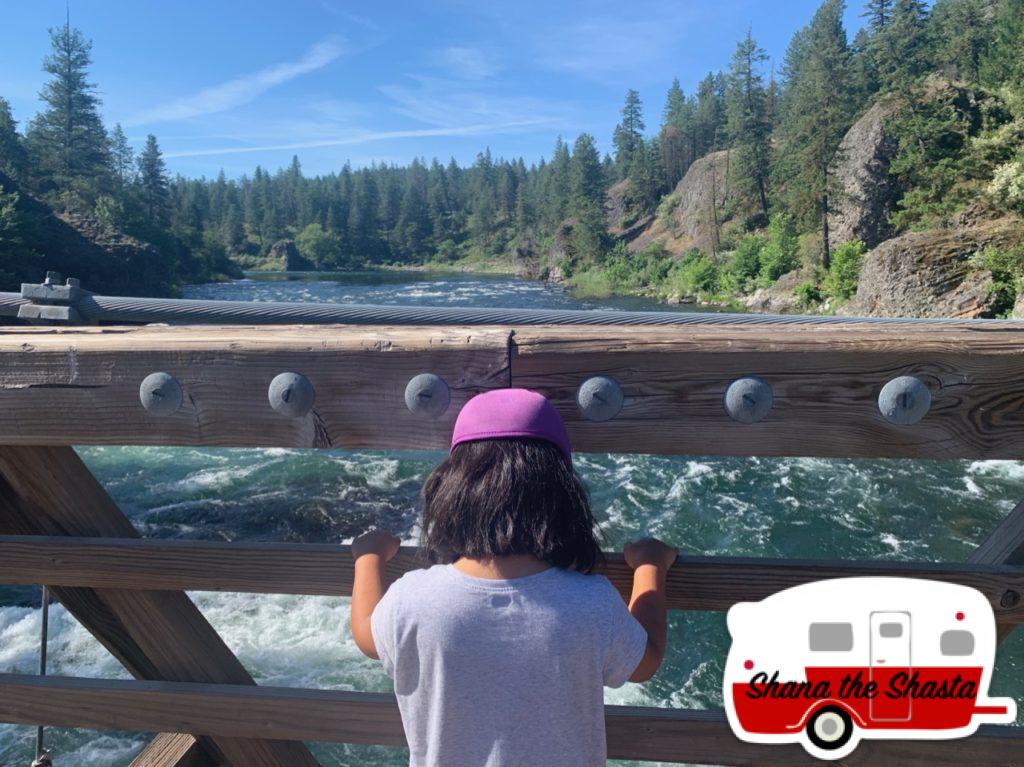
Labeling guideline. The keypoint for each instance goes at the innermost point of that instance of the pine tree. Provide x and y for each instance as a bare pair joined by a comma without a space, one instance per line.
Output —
900,48
709,116
1003,63
878,13
628,133
960,34
13,158
676,136
586,179
646,179
747,122
67,139
558,183
153,183
818,113
122,157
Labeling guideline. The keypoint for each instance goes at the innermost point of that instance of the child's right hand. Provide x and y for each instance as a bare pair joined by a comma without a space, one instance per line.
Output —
650,551
379,542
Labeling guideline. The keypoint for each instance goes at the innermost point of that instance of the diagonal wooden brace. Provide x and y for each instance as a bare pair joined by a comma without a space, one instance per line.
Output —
1004,546
157,635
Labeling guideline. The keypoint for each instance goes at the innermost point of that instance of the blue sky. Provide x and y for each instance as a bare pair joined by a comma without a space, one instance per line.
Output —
235,84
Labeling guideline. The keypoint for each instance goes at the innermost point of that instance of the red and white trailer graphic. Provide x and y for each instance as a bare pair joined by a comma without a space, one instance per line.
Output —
828,663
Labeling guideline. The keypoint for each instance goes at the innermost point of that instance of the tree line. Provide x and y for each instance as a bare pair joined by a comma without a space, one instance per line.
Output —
782,126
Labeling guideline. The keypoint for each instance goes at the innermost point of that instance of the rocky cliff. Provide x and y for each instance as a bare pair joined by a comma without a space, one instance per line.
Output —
691,215
931,274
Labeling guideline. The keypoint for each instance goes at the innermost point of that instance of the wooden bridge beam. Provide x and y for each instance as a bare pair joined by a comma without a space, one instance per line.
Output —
655,734
696,583
155,634
81,386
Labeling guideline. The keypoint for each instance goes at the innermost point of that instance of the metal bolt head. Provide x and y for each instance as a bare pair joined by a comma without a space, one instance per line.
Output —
749,400
427,395
599,398
904,400
291,395
160,394
1010,598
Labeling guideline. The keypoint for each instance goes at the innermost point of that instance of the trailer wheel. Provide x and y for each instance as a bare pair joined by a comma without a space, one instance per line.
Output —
830,728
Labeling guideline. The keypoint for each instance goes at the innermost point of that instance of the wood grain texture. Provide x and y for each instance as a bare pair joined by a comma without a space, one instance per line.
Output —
826,380
695,583
81,386
155,634
1005,546
173,749
668,735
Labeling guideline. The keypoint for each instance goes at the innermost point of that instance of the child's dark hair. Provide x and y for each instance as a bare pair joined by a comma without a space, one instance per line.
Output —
495,497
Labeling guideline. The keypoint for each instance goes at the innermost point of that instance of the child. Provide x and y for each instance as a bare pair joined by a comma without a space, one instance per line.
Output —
500,654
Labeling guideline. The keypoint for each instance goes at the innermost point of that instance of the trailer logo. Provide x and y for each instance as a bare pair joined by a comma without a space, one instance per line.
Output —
828,663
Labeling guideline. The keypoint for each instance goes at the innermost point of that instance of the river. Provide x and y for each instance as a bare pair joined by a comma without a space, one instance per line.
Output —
788,507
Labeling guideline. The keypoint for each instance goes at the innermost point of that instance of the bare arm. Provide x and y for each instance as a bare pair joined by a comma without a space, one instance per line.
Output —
650,560
370,552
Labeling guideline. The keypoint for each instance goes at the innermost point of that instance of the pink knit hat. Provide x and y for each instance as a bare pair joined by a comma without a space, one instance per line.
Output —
511,413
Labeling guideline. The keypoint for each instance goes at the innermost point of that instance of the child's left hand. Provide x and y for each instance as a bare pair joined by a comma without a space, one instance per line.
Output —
379,542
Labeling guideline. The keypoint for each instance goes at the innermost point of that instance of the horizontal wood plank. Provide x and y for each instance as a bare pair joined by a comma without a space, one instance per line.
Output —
669,735
695,583
80,385
825,378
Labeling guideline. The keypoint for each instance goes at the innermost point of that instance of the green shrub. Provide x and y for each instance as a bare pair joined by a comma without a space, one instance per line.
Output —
593,283
694,274
781,253
1007,268
320,247
667,206
808,294
743,266
844,270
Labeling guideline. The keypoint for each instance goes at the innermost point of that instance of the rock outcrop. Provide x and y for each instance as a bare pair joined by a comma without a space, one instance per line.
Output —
930,274
868,194
694,209
779,298
287,254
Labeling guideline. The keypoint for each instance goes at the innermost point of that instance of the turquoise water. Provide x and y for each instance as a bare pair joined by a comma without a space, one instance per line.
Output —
795,507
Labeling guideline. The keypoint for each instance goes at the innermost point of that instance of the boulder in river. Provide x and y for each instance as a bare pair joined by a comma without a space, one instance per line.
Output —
286,253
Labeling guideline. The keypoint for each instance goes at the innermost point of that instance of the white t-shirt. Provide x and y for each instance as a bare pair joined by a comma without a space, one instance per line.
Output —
505,673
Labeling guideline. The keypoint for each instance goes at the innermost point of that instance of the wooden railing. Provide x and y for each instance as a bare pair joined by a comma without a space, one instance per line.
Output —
81,386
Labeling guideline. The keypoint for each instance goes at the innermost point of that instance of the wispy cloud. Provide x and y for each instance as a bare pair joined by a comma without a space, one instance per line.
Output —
444,103
468,63
241,90
364,137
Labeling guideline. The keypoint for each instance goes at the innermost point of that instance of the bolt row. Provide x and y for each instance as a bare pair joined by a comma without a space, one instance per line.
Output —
903,401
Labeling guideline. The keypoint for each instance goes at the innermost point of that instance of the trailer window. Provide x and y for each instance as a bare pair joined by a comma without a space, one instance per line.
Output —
956,643
890,630
831,637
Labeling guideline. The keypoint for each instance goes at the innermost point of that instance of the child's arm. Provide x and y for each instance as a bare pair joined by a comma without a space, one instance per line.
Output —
650,560
369,552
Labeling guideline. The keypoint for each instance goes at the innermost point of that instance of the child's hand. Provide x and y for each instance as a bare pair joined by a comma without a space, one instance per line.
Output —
379,542
650,551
